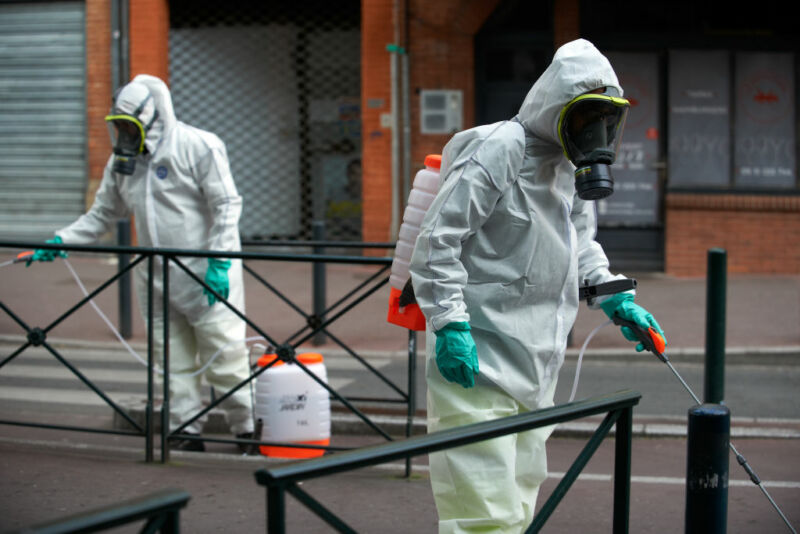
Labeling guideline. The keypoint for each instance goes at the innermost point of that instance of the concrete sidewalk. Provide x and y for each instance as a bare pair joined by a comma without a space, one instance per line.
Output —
763,312
763,315
50,477
48,474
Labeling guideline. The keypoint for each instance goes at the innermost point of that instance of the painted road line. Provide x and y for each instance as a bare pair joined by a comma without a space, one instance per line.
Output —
635,479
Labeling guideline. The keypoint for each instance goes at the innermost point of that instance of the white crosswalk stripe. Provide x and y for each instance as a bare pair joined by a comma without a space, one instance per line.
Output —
45,379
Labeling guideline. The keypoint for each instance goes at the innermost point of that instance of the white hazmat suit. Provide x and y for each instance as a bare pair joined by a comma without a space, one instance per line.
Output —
503,247
181,195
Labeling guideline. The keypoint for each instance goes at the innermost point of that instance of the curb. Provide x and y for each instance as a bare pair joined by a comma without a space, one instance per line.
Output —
644,426
763,355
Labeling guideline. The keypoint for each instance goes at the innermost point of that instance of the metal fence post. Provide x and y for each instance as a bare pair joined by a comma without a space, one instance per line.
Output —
716,282
318,277
148,414
124,240
165,359
412,390
276,510
623,446
707,469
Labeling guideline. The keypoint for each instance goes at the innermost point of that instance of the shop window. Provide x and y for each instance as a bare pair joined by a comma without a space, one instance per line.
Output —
731,119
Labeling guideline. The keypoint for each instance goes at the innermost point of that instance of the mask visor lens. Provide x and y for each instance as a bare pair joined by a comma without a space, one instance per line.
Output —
591,128
127,134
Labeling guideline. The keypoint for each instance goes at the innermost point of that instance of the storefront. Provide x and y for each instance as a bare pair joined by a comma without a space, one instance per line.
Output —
328,111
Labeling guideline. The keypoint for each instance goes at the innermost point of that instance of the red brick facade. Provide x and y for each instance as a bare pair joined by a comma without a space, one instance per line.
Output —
377,30
98,90
149,38
441,56
760,233
149,53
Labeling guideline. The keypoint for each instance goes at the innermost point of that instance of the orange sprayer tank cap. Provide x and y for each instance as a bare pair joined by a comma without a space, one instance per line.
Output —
433,160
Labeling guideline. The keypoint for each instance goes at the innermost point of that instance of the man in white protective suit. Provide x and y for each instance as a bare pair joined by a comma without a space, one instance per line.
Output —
496,270
176,182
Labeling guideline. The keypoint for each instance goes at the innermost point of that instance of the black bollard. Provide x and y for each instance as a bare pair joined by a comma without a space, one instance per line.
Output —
707,469
125,318
318,280
716,288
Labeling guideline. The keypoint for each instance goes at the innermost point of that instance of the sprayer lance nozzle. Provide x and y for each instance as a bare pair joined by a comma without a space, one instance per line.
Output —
650,338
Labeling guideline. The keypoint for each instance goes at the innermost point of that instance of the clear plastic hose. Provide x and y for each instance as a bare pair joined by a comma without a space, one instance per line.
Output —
580,358
127,345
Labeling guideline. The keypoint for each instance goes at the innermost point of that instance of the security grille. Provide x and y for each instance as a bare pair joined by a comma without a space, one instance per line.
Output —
42,117
279,82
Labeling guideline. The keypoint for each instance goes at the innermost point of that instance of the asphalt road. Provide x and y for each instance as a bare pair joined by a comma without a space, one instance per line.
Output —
47,475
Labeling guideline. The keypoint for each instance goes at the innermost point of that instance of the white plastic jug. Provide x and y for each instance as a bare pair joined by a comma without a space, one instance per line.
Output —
425,187
293,407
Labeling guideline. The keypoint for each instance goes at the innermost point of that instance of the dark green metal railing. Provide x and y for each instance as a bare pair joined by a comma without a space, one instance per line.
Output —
161,510
618,407
315,324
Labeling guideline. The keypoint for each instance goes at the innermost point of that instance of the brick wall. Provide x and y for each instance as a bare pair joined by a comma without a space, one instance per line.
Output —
98,90
149,53
440,56
377,30
149,38
759,233
566,21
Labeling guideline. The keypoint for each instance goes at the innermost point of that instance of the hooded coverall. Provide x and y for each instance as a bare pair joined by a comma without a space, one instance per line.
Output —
181,195
504,246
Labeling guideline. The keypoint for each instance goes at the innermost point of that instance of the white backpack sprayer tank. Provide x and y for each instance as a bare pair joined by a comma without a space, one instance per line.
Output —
293,407
425,187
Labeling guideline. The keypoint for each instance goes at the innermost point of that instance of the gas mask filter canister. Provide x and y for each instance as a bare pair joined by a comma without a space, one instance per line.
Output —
590,128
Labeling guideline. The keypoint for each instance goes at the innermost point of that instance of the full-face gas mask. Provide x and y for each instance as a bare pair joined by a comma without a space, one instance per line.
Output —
590,128
128,133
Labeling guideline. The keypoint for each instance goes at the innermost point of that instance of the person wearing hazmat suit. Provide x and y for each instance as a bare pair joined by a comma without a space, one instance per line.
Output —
175,181
496,269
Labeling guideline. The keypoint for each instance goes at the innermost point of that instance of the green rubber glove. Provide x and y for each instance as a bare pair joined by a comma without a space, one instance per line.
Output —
623,306
456,355
47,254
217,279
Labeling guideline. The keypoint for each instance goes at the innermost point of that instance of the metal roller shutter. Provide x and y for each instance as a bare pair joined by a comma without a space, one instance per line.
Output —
280,83
42,117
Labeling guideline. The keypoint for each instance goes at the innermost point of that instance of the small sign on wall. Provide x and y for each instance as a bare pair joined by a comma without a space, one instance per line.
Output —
441,111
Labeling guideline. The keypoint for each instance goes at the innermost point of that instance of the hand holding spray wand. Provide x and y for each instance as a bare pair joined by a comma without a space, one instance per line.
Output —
654,343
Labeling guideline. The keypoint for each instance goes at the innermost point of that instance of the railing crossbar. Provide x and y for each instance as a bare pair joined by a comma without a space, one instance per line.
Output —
94,388
154,251
222,300
163,506
71,428
15,317
148,255
323,328
322,512
284,477
275,290
337,304
369,366
311,374
572,473
356,289
15,353
269,443
319,244
218,400
349,307
425,444
91,295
